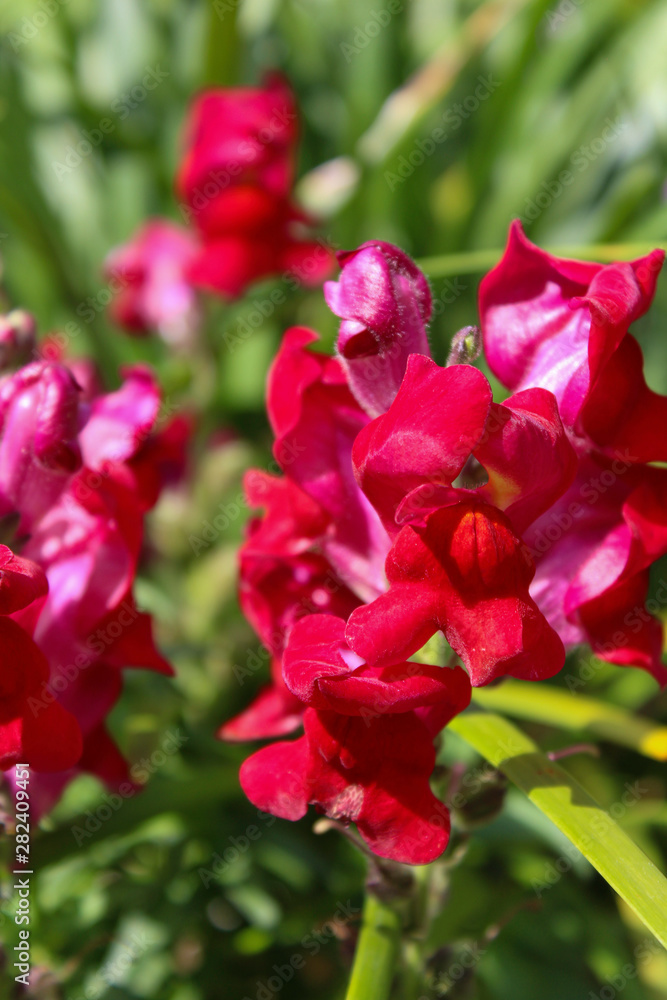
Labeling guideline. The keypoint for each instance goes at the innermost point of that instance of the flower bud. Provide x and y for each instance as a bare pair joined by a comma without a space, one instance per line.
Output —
38,446
466,346
385,304
17,338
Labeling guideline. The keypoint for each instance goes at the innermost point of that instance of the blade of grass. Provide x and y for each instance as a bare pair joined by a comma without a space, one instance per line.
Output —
476,261
221,55
403,109
576,813
557,708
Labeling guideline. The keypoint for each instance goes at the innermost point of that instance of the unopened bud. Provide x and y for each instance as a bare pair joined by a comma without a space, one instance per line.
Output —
17,338
466,346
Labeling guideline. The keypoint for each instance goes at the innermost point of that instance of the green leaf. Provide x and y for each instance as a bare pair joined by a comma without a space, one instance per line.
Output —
567,804
476,261
549,705
222,44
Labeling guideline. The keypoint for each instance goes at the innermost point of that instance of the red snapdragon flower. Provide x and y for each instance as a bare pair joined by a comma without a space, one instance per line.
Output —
457,563
376,504
564,325
367,752
235,185
236,179
52,742
407,485
241,141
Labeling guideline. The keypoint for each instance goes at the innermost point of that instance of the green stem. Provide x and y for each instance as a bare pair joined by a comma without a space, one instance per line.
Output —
412,966
377,952
476,261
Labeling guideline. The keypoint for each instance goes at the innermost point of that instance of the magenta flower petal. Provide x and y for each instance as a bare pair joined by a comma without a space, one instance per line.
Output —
39,451
557,323
150,275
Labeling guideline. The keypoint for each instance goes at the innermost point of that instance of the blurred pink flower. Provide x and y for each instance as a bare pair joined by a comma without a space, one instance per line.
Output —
155,292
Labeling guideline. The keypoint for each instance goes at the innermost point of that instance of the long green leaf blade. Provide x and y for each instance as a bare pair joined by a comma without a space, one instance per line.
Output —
558,708
560,797
476,261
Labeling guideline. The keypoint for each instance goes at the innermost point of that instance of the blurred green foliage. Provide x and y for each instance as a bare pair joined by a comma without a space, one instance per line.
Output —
146,882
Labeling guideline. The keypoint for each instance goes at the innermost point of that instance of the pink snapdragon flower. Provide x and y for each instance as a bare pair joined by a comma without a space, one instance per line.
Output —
72,503
564,325
156,293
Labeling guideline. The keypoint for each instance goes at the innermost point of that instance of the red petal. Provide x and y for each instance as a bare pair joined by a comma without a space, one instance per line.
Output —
622,413
426,436
466,574
320,669
21,582
527,455
274,712
275,779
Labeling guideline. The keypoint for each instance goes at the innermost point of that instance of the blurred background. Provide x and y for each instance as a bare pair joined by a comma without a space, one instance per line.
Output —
428,123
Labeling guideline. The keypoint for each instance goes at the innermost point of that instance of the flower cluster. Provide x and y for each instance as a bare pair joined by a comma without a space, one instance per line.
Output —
79,468
234,183
412,504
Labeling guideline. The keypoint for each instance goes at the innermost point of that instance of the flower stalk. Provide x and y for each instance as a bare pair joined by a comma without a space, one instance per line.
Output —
377,951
